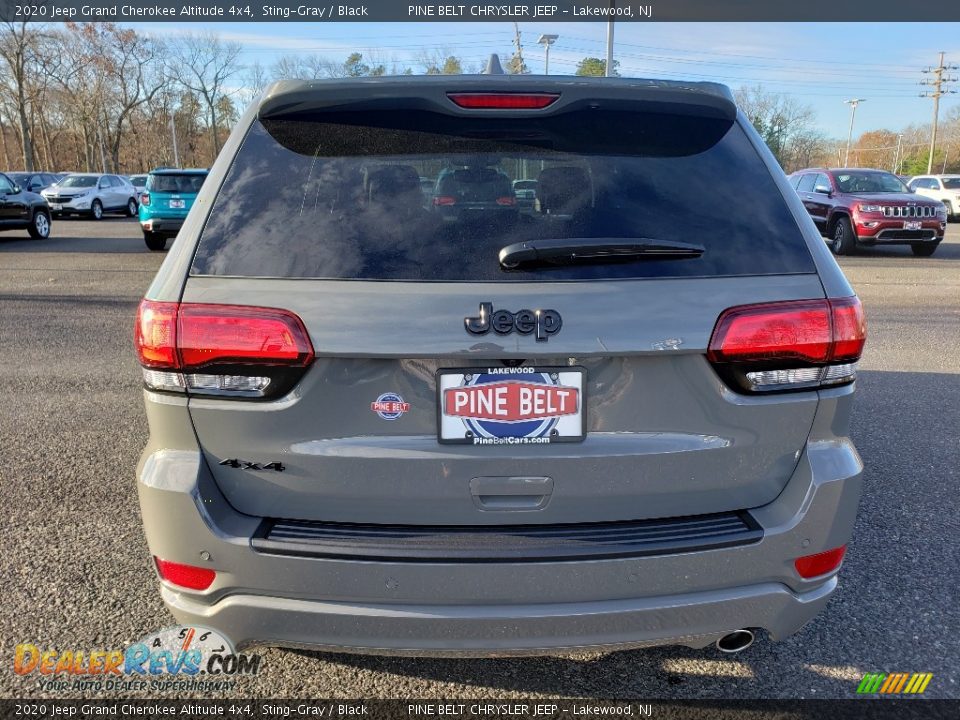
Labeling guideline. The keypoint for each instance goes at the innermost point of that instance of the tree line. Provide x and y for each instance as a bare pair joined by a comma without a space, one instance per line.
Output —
102,97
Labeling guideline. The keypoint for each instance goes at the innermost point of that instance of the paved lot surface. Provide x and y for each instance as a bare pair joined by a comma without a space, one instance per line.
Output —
77,574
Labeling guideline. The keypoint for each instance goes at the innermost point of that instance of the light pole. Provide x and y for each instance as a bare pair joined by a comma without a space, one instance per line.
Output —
547,41
608,70
853,111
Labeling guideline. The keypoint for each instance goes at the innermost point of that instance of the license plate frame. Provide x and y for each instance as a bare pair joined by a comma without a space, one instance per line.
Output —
912,225
177,204
517,429
56,206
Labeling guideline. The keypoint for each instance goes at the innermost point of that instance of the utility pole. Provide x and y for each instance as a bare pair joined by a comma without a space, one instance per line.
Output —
896,154
518,65
608,69
937,83
173,134
853,111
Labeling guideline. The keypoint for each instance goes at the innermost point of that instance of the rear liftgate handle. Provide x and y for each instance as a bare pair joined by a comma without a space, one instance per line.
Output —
511,493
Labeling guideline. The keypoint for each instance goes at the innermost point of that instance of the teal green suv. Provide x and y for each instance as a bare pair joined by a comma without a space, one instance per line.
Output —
165,202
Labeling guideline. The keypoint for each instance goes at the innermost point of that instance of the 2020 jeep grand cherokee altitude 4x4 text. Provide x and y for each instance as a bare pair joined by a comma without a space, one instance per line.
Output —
380,426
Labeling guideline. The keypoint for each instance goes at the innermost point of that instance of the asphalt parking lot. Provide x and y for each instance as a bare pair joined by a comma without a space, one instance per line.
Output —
77,573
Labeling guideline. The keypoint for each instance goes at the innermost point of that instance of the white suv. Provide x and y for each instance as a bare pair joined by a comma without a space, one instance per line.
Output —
945,188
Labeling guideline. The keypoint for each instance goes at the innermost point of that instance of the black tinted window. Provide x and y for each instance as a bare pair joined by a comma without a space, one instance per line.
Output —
340,197
173,183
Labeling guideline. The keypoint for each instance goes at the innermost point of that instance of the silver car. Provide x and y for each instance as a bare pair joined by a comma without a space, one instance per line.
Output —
609,422
92,195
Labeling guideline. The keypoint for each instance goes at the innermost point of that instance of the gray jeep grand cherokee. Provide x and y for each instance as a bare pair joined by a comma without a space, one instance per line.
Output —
617,420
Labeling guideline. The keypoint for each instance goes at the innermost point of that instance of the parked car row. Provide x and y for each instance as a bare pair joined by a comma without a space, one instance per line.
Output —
161,198
860,206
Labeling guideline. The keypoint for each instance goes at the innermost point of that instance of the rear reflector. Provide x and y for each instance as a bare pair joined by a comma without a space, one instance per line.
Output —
231,350
506,200
503,101
789,345
444,201
811,566
185,576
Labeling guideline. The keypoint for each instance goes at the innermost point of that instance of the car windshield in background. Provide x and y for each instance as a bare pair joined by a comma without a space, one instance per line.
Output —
186,183
139,180
78,181
951,183
869,182
340,197
19,178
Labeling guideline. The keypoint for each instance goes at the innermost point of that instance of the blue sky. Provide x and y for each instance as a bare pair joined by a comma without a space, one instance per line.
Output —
820,64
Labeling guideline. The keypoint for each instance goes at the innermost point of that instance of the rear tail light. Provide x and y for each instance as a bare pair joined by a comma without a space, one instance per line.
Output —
789,345
145,198
444,201
226,350
186,576
503,101
507,200
811,566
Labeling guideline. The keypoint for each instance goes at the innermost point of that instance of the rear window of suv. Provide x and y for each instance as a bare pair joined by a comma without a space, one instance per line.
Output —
173,183
338,196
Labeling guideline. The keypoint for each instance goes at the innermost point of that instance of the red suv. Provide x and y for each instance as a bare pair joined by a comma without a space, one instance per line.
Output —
854,206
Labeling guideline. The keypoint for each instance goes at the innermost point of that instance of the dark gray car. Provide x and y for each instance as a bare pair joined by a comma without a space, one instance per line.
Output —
614,421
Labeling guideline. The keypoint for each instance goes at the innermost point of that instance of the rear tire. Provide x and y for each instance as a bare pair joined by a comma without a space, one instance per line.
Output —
925,250
843,240
96,210
131,207
156,243
39,228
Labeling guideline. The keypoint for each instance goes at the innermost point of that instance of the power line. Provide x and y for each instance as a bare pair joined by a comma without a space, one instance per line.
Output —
938,91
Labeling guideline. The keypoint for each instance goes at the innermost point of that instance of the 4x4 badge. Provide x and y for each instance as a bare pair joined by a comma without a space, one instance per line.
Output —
543,323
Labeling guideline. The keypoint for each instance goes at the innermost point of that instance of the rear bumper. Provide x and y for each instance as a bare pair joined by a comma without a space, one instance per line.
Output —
162,226
695,620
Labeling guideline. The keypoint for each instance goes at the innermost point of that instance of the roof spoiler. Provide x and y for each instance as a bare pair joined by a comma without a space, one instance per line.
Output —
289,97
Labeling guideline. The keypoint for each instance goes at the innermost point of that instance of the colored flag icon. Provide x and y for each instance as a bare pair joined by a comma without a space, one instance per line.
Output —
894,683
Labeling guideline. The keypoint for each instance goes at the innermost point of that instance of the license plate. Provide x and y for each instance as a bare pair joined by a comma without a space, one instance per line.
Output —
912,224
56,206
511,406
176,203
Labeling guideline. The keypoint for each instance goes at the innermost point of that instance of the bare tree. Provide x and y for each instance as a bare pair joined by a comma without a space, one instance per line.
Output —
203,64
439,61
779,119
17,44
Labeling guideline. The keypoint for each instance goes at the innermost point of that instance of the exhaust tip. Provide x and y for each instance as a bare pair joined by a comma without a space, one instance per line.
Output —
736,641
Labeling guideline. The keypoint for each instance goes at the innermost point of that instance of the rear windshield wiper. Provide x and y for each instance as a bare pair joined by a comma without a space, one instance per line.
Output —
574,251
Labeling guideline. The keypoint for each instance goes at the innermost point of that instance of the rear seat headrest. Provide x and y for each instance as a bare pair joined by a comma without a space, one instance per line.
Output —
564,190
394,182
